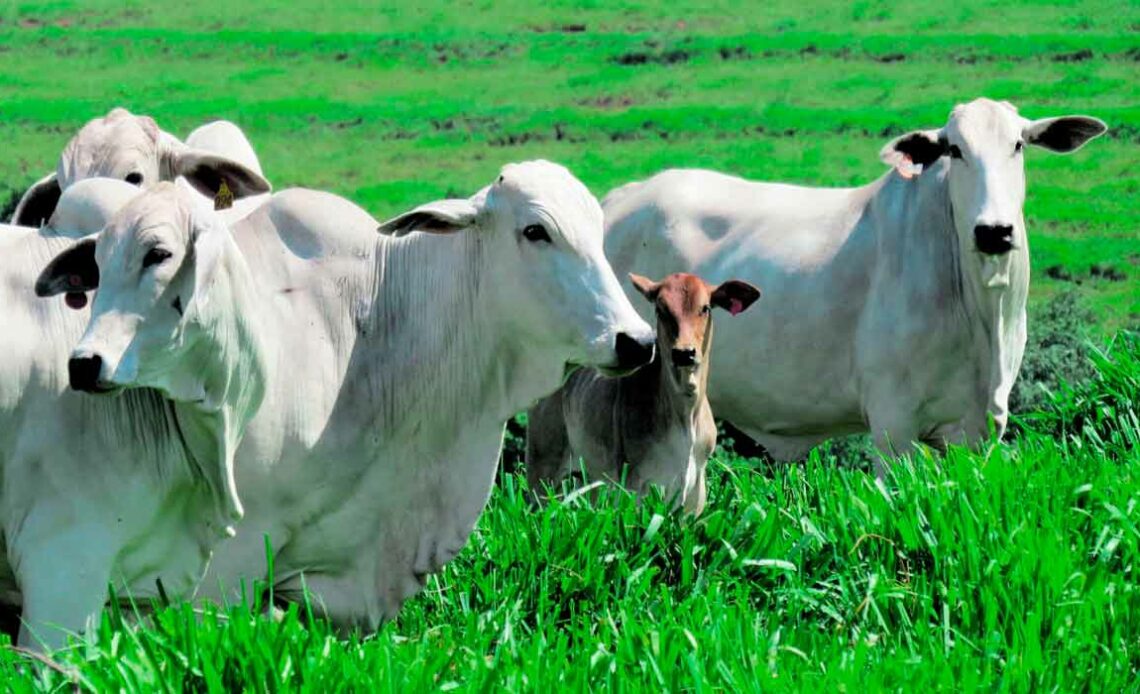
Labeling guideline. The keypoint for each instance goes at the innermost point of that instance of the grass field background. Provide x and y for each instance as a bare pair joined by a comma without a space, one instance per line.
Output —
1013,568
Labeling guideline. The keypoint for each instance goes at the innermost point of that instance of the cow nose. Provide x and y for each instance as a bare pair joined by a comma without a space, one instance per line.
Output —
632,352
83,372
685,357
993,239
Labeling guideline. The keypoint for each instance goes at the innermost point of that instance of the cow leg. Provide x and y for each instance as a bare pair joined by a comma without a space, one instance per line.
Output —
894,437
548,455
63,575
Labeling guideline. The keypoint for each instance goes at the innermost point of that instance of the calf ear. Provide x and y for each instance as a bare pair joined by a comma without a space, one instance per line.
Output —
72,271
735,296
646,286
38,203
439,217
921,147
1064,134
206,172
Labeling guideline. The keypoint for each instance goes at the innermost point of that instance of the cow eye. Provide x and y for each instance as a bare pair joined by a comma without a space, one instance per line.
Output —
155,256
705,310
134,178
1018,147
955,153
536,232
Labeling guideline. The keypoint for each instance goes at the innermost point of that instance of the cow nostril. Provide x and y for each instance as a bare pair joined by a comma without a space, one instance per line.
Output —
83,372
684,357
631,352
993,239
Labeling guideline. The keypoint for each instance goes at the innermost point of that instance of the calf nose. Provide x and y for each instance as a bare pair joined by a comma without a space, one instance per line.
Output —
685,357
83,372
993,239
632,352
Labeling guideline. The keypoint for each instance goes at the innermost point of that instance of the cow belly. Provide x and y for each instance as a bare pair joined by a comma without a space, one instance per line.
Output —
361,557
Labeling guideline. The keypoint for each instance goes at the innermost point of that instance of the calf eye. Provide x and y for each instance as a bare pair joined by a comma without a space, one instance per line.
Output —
705,310
134,178
155,256
955,153
536,232
1018,147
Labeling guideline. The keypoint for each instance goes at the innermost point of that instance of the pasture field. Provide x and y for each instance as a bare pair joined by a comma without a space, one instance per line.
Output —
1011,569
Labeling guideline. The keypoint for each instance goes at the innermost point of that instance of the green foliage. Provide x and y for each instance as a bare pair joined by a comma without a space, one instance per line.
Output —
1057,352
9,198
1007,569
1010,569
1100,414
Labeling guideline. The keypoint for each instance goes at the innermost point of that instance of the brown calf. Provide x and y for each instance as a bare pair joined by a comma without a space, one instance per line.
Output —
653,427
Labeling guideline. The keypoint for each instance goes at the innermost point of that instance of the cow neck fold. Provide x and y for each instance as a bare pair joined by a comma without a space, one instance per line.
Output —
649,397
224,351
992,318
437,326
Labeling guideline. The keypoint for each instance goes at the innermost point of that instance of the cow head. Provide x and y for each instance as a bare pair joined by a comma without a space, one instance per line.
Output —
151,265
539,237
984,142
684,306
132,148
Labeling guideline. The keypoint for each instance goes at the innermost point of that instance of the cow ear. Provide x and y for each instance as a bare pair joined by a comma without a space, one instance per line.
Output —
72,271
439,217
1064,134
646,286
735,296
38,203
921,147
206,172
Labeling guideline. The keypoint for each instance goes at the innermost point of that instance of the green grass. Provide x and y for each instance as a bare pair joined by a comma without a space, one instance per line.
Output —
392,106
1012,569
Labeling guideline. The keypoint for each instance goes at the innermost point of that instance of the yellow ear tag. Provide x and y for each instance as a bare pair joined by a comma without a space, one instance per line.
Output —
224,200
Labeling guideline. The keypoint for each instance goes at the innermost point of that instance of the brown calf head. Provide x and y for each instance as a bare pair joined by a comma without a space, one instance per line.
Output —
684,305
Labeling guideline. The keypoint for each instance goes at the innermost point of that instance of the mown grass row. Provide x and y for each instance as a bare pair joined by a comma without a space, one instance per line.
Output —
392,106
1012,569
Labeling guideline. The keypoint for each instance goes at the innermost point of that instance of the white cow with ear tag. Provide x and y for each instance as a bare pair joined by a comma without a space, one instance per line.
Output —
92,491
131,148
350,388
897,307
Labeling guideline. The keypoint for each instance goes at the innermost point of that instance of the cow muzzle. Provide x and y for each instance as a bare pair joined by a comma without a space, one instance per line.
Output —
84,374
993,239
633,353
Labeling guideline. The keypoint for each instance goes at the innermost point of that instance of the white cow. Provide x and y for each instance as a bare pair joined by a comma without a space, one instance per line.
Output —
92,491
132,148
897,307
372,375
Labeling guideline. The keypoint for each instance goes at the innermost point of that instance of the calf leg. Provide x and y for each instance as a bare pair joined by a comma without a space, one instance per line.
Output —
548,455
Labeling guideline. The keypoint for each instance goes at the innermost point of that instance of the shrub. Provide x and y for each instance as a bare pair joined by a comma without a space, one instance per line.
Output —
1056,353
1099,413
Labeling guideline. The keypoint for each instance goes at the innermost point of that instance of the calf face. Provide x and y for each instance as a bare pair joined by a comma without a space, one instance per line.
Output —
985,141
684,305
551,286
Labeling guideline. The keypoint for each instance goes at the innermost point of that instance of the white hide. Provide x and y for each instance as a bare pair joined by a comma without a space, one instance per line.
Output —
371,375
94,491
880,313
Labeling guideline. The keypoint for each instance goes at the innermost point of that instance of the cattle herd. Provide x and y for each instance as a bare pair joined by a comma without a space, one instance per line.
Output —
194,367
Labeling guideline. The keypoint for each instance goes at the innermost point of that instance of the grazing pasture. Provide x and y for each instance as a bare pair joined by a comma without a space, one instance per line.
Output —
1013,568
